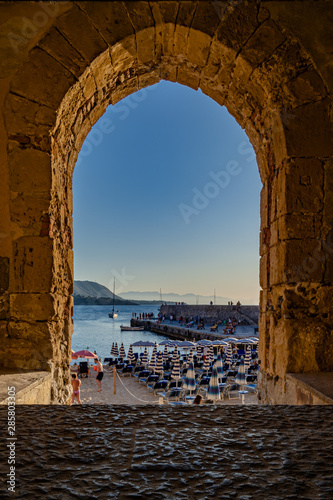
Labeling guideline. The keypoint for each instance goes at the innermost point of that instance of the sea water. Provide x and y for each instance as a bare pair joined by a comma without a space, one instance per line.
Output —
95,331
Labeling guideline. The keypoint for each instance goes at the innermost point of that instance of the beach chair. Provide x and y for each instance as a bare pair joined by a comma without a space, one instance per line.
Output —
127,370
160,385
135,372
173,395
225,392
252,388
203,382
175,383
83,369
151,380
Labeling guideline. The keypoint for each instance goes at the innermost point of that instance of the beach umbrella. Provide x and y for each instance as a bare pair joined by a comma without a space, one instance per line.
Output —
175,355
248,356
186,344
165,353
219,366
153,360
85,354
159,363
206,365
130,355
190,356
190,382
122,352
210,354
112,349
217,343
213,391
205,342
175,374
116,352
144,359
199,350
229,355
240,379
165,342
143,343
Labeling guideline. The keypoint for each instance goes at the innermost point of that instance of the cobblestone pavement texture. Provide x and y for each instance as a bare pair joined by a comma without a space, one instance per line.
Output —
147,452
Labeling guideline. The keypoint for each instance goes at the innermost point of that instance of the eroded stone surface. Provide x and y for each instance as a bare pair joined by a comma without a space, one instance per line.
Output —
143,452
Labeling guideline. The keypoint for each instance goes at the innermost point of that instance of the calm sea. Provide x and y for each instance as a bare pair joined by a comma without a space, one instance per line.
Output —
94,330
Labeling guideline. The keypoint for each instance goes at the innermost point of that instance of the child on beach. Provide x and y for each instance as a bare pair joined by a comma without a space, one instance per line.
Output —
76,388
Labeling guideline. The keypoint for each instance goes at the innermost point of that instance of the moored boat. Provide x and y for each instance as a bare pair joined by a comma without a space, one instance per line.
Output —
131,328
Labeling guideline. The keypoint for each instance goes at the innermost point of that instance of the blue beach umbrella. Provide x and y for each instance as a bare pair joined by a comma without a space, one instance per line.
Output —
219,367
130,355
175,374
206,365
190,356
229,355
165,353
122,352
112,349
175,355
159,363
116,352
144,359
190,383
213,391
153,360
248,355
143,343
199,350
211,354
205,342
240,377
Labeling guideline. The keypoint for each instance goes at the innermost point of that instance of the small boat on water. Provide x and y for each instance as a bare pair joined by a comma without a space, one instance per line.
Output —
113,314
131,328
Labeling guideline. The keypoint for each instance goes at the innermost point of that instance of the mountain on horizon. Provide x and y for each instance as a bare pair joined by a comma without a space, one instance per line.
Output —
189,298
94,289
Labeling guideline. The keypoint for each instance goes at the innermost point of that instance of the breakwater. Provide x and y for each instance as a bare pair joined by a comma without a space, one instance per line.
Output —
174,331
246,314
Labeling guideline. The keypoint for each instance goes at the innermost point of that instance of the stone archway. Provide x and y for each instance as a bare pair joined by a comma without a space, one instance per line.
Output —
241,54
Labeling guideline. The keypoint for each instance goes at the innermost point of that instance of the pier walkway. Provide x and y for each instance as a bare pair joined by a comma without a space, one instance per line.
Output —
173,330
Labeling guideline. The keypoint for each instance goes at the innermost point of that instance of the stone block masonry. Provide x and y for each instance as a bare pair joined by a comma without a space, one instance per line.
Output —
63,64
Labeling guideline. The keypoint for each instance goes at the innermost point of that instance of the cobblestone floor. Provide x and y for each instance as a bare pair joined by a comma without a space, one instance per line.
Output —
147,452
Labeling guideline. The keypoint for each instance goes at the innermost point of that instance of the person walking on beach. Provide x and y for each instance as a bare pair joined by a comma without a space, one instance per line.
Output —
100,374
76,388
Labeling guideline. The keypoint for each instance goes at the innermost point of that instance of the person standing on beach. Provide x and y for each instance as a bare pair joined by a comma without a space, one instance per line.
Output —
76,388
100,374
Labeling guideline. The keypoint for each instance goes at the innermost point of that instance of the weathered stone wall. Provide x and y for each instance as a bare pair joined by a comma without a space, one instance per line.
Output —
161,452
62,64
212,313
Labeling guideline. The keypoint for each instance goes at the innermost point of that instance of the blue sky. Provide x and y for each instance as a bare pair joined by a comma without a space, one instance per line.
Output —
166,195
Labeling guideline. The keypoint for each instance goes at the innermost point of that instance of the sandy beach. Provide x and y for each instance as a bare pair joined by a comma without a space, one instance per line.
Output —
130,392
